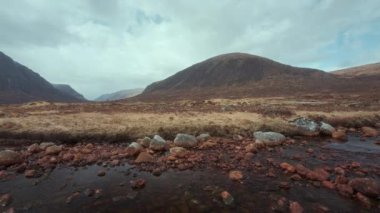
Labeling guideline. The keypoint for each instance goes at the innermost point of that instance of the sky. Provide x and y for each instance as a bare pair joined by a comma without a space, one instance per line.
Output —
102,46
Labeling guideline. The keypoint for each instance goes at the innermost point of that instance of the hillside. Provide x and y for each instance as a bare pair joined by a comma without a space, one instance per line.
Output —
19,84
240,75
364,70
120,95
69,91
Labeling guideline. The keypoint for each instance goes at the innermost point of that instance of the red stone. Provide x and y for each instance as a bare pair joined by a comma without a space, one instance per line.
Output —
295,207
289,168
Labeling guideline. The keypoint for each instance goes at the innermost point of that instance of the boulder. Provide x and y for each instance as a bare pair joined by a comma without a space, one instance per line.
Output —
235,175
178,152
53,150
34,148
157,143
326,128
369,132
366,186
270,138
144,157
185,140
203,137
45,145
339,135
9,157
145,142
307,126
138,147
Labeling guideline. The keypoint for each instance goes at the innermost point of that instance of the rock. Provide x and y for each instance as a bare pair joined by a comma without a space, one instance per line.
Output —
137,184
289,168
98,193
144,157
270,138
227,198
235,175
115,162
369,132
326,128
145,142
5,200
101,173
137,146
30,173
34,148
208,144
339,171
203,137
134,149
366,186
339,135
296,177
70,198
307,126
363,199
328,184
157,143
345,190
89,146
185,140
45,145
295,207
318,174
9,157
302,170
178,152
89,192
251,148
53,150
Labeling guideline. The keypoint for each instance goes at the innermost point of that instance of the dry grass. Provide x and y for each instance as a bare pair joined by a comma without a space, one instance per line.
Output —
125,121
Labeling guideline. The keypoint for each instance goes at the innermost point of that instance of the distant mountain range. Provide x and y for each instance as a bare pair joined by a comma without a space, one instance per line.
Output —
238,75
123,94
19,84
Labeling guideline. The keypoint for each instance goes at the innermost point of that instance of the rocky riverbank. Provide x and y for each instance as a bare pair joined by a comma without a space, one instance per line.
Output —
350,175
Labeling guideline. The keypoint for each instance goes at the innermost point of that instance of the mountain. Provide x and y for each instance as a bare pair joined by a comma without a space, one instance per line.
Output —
69,91
19,84
239,75
364,70
120,95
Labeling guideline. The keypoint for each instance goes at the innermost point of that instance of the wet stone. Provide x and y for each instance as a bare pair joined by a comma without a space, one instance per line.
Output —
235,175
138,183
5,200
227,198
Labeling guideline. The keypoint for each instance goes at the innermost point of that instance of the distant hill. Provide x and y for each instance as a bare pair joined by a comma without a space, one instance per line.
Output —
364,70
19,84
120,95
68,90
238,75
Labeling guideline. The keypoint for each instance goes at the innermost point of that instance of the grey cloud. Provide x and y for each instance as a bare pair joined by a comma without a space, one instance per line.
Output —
102,46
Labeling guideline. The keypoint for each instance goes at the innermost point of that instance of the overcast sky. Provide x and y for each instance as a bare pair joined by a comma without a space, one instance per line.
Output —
101,46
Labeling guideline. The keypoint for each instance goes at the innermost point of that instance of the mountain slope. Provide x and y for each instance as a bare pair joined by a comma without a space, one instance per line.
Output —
119,95
240,75
364,70
19,84
69,91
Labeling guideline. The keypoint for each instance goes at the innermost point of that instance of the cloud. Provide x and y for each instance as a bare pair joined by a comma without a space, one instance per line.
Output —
102,46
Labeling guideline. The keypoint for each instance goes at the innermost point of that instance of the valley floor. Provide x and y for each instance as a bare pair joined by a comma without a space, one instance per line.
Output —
91,166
